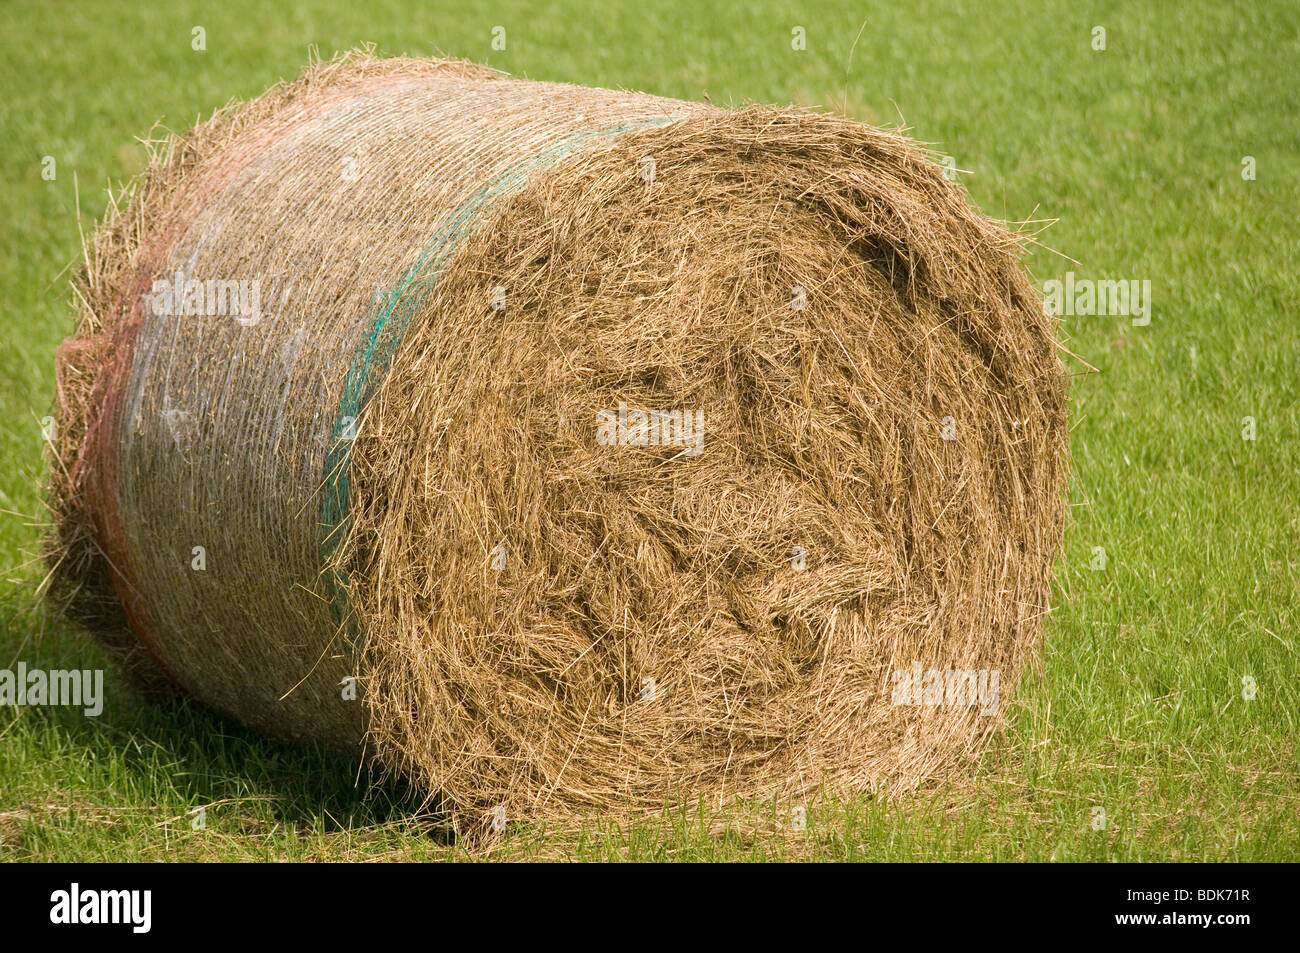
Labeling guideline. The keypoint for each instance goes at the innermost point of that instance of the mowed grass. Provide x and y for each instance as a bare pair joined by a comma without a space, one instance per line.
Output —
1139,708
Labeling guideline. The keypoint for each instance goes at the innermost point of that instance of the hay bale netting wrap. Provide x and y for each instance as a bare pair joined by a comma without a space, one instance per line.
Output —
397,467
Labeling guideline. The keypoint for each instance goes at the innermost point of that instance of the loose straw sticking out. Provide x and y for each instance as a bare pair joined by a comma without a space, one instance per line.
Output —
544,623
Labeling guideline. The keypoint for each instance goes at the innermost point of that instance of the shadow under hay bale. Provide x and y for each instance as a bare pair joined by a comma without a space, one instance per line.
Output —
619,451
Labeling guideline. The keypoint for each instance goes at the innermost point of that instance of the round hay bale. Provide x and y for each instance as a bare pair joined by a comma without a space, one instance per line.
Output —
571,450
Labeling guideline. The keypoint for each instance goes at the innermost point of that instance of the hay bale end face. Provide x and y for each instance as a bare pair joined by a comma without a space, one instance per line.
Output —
571,450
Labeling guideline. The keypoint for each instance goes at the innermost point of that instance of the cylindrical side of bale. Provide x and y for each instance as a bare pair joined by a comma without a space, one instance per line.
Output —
576,449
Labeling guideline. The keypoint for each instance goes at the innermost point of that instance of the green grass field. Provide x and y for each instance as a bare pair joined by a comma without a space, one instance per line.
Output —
1169,687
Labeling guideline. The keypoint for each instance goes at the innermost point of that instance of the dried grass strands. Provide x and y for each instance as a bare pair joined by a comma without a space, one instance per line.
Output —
396,475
